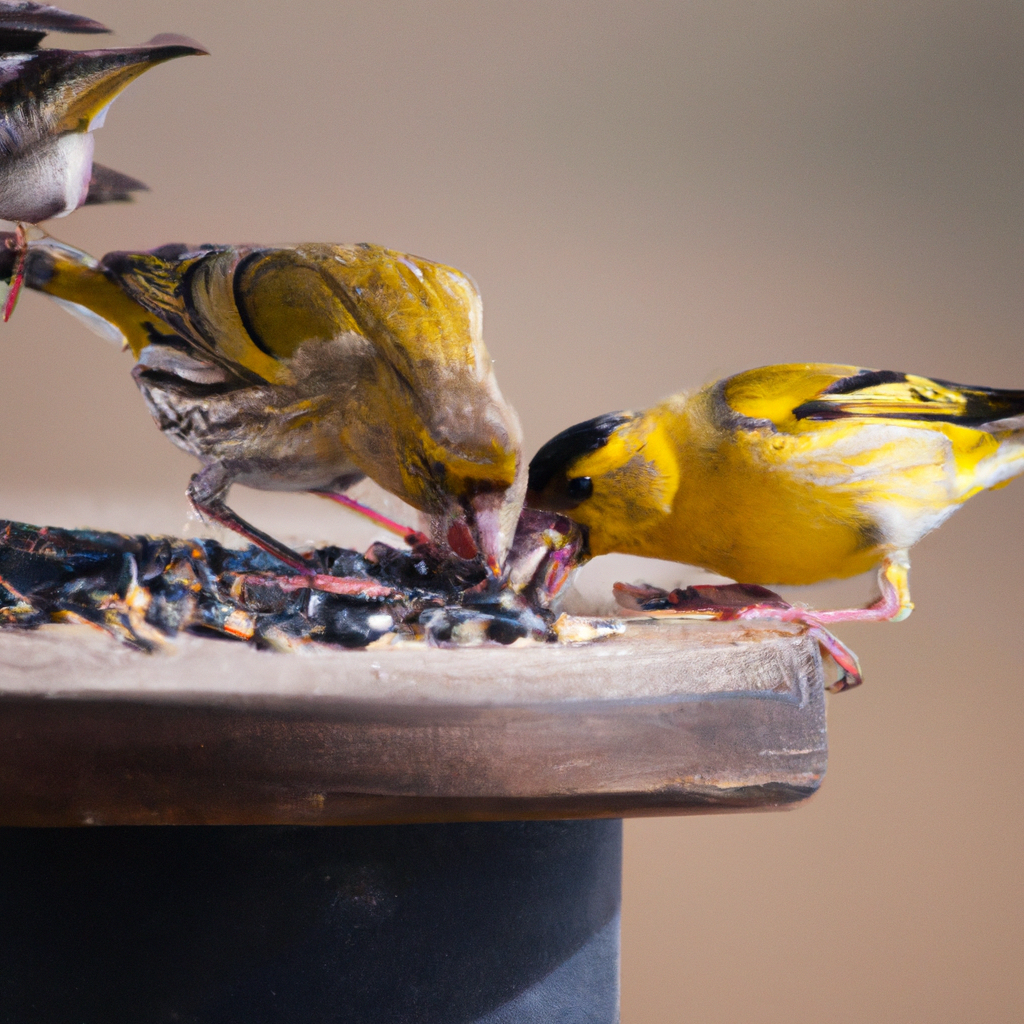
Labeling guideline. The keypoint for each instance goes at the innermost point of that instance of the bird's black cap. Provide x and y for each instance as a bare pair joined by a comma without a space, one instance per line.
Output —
570,444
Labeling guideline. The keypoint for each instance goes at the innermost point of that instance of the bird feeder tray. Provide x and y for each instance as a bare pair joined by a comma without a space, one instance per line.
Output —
668,717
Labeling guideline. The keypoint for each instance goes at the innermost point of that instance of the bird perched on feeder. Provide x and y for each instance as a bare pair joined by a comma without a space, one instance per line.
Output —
785,475
308,367
51,101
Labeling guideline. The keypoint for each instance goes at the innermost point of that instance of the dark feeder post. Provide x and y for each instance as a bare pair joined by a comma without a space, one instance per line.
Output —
483,883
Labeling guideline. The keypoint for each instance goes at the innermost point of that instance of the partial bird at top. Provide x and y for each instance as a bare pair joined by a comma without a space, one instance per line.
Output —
51,101
23,24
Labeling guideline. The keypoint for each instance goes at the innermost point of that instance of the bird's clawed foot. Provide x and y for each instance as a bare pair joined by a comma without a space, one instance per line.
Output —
893,604
740,601
214,509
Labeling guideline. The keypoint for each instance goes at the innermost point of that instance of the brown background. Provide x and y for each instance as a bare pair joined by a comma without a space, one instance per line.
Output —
649,196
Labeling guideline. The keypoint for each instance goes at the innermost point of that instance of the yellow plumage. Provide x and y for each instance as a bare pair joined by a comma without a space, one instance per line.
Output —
307,367
786,474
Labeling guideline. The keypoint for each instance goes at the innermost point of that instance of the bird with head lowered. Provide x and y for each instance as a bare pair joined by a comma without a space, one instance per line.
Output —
306,368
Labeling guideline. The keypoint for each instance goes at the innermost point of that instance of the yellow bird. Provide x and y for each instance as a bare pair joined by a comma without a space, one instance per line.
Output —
51,102
786,475
306,368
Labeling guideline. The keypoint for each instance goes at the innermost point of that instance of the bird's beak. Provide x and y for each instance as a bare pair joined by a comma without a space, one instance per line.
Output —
488,515
103,74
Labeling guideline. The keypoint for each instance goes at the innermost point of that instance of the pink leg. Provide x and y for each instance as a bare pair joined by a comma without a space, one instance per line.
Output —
848,662
18,275
744,602
894,604
350,586
407,533
216,510
206,492
353,586
732,601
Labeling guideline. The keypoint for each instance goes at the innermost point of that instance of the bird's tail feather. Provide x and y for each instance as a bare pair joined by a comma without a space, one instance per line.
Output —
76,281
1012,426
110,186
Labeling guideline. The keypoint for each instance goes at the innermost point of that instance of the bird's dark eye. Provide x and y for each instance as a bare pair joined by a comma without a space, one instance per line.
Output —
580,488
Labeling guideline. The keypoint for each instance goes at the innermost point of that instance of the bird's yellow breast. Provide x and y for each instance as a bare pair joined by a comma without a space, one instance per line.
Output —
743,511
731,510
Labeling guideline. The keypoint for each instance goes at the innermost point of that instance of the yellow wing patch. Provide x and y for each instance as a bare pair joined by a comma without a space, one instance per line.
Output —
89,96
417,311
86,83
773,392
253,309
285,300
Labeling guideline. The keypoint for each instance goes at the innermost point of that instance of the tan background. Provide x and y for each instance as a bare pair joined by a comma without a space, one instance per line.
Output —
649,195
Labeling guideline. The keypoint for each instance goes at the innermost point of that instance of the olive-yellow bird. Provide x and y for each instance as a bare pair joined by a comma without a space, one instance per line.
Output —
786,474
306,368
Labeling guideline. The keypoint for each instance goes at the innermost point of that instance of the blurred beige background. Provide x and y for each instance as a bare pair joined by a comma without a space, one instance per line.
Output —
649,195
